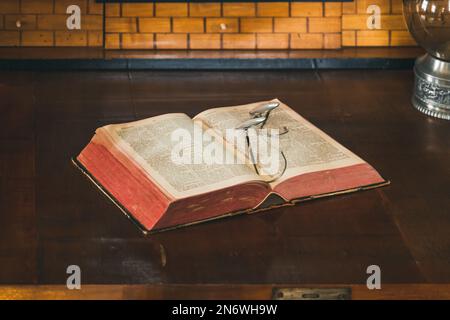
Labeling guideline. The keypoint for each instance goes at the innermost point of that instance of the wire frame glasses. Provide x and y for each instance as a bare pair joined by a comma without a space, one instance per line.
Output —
258,119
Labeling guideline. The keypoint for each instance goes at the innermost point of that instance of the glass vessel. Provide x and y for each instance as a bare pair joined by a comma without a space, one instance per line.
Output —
429,23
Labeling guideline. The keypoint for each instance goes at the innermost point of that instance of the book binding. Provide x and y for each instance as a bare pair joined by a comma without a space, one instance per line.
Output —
269,203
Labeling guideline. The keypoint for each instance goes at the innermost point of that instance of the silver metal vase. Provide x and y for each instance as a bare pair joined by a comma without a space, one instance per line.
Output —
432,87
428,22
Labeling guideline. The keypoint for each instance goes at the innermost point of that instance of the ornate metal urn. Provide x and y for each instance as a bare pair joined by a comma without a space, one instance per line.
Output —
429,23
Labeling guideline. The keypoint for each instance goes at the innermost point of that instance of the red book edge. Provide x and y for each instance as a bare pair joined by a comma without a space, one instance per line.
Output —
261,208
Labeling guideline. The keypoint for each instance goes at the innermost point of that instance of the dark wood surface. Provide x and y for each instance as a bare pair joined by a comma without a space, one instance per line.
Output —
52,217
62,59
99,53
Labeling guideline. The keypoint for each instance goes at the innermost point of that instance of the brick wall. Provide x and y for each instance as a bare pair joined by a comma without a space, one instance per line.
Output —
393,30
277,25
43,23
313,25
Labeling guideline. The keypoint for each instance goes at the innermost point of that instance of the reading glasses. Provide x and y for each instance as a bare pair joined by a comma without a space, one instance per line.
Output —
259,117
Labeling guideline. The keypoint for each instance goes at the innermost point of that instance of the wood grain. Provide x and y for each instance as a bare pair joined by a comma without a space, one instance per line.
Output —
52,217
222,292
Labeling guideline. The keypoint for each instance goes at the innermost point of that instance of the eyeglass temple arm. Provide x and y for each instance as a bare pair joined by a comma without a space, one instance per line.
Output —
247,138
282,172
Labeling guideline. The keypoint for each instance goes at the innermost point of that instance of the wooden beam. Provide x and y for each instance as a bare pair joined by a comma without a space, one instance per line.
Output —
244,292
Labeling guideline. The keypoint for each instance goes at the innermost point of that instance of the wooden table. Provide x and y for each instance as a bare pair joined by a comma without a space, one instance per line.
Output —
51,216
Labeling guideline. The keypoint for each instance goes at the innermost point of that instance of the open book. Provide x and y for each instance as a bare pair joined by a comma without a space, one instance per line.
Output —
133,164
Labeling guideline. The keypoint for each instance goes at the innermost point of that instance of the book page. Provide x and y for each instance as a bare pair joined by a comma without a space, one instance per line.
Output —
150,144
307,148
223,118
